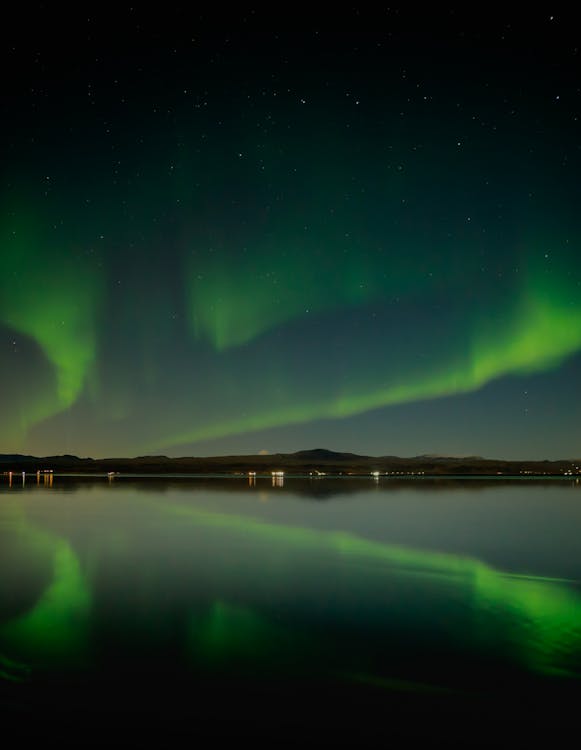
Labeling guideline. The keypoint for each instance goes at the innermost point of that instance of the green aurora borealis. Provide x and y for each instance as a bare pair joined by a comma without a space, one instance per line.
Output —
276,241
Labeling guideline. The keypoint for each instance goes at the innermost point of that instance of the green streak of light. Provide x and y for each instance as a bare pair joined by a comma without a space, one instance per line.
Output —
542,331
537,620
231,305
55,630
50,293
544,622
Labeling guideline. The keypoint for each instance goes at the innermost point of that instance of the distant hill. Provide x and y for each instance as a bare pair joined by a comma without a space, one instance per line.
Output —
322,454
8,458
65,460
437,457
302,462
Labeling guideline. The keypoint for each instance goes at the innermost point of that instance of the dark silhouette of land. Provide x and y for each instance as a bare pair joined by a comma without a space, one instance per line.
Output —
318,462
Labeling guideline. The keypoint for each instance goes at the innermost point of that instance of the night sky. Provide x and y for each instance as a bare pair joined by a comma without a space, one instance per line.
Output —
219,242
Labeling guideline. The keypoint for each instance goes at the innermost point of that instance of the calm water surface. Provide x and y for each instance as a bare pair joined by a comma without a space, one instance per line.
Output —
342,604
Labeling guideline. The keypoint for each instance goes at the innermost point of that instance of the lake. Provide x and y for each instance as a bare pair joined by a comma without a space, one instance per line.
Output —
345,607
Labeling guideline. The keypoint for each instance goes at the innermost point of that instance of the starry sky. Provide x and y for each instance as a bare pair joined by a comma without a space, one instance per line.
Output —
219,242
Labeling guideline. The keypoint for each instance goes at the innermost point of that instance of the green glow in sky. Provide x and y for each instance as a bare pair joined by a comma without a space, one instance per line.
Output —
49,292
308,259
233,303
533,333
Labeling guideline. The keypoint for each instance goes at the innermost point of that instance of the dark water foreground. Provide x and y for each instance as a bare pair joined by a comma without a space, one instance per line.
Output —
317,609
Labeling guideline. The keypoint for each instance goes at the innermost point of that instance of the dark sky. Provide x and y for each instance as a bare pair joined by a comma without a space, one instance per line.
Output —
231,241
